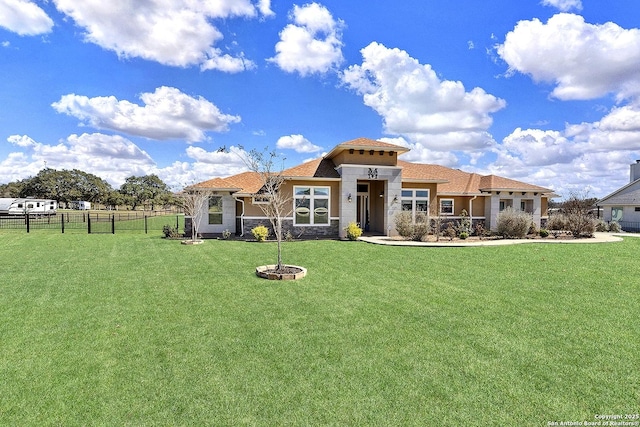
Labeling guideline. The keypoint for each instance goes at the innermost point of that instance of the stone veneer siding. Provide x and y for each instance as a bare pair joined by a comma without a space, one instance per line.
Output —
306,232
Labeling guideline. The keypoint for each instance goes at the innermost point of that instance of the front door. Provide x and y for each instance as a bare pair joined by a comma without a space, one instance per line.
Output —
363,217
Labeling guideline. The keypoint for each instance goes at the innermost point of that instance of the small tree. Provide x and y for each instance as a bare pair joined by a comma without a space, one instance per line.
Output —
580,221
277,204
193,201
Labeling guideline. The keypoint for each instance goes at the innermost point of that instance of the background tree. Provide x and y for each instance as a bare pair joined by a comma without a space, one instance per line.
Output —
65,186
278,205
142,189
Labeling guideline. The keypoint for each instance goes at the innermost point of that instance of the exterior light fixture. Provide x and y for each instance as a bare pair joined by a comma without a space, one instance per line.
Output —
382,194
349,198
395,199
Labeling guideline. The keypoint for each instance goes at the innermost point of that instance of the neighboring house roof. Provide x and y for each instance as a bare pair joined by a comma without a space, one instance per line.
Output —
627,195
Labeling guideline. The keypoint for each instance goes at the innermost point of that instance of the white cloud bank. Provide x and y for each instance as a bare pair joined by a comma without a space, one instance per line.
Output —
114,158
172,32
583,61
312,44
167,114
24,18
434,114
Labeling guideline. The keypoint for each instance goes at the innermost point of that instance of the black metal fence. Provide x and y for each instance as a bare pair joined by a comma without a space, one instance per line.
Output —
95,222
629,226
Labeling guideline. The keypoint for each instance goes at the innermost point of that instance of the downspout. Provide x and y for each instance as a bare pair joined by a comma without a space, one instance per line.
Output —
241,216
471,212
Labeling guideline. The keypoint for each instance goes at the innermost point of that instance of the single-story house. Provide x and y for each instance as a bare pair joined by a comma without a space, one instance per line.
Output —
623,205
363,180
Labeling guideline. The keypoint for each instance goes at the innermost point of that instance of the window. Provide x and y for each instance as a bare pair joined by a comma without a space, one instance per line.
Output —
446,207
215,210
311,205
260,200
505,203
415,201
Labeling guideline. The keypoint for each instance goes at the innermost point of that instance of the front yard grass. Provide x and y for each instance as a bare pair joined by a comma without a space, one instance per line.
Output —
137,330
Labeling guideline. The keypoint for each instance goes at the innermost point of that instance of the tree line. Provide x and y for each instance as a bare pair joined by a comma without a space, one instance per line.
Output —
66,186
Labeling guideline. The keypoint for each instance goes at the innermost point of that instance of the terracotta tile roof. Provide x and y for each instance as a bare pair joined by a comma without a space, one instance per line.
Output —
317,168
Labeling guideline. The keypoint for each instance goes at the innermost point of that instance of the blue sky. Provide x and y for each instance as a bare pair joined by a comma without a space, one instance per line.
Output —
547,92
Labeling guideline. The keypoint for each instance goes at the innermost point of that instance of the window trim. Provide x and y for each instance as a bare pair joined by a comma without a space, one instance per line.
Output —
414,198
312,197
453,205
221,213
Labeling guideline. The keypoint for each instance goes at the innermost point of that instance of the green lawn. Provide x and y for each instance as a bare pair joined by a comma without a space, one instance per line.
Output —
132,329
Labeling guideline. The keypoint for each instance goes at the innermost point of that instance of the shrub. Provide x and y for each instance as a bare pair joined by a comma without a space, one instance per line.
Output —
412,230
288,236
614,227
421,228
544,232
450,231
602,226
513,224
481,231
404,224
353,231
557,222
170,232
260,233
464,235
581,225
226,234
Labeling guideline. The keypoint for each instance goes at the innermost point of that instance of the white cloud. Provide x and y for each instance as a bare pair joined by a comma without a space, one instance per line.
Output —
24,18
586,155
167,114
298,143
564,5
414,102
111,157
584,61
171,32
312,43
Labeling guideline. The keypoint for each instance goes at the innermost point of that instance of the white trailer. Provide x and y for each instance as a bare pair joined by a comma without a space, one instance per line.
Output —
81,205
29,205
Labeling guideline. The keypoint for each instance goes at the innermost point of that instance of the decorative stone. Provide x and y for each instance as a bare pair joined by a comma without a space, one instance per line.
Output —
292,272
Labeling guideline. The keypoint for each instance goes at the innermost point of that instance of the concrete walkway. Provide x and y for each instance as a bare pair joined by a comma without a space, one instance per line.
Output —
597,238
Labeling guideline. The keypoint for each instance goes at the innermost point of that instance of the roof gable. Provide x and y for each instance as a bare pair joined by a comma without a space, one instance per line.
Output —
627,195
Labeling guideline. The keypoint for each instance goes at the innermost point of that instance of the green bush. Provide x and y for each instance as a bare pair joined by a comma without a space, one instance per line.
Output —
353,231
513,224
464,235
170,232
260,233
544,232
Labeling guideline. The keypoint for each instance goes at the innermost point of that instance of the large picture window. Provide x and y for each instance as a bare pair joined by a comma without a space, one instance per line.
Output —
311,205
215,210
415,201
